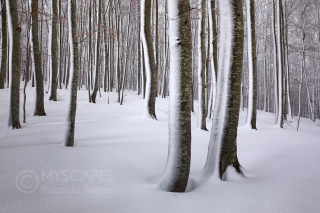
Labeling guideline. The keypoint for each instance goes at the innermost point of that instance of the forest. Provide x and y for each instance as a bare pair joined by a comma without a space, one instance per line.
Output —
159,105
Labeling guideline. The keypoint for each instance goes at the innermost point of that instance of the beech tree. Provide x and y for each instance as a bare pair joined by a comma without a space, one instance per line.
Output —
252,62
96,79
222,151
54,51
14,64
3,66
202,69
39,108
149,58
74,70
176,174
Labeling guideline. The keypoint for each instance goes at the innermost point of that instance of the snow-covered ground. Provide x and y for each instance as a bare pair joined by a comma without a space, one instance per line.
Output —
119,155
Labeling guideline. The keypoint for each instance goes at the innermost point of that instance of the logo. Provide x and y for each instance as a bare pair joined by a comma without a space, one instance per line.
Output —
27,181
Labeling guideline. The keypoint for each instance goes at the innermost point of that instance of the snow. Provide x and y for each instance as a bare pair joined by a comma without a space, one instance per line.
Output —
121,154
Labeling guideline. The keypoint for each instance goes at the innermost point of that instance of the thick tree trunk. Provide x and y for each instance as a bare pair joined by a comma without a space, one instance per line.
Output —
14,64
175,177
39,108
223,143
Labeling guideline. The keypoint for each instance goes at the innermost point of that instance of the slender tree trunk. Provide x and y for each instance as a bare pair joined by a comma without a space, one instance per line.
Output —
280,64
214,37
127,55
96,81
4,50
275,63
89,56
27,71
252,59
201,71
74,56
212,56
26,83
54,51
150,64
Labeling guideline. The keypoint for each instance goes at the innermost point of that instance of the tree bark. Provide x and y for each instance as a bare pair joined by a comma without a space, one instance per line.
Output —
150,64
54,51
175,177
14,64
74,56
39,108
223,143
252,61
215,37
4,50
201,71
97,72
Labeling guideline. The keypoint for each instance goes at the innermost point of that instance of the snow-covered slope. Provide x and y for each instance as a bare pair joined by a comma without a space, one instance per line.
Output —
119,155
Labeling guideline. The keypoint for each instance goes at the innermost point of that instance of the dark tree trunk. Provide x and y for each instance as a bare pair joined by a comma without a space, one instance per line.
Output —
54,51
153,84
39,109
3,69
14,121
254,66
215,37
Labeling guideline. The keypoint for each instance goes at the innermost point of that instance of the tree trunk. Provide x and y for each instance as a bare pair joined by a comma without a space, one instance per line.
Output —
4,50
275,63
280,63
74,66
176,174
150,64
39,108
214,36
96,81
201,70
54,51
252,61
14,64
223,142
